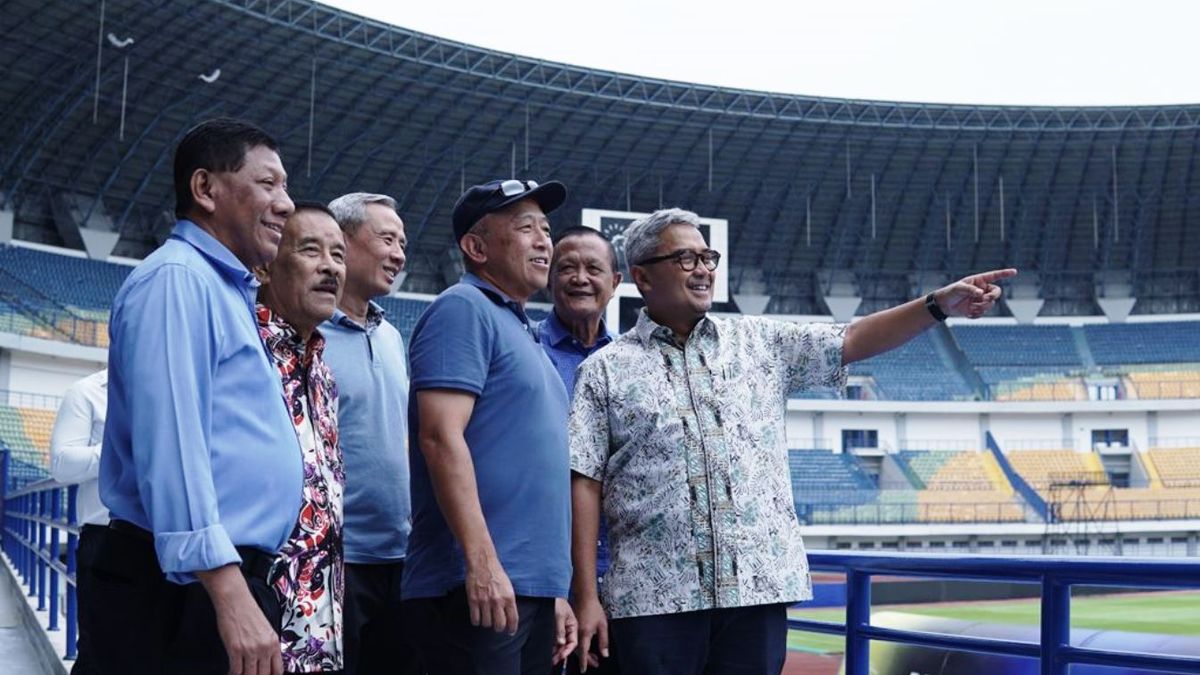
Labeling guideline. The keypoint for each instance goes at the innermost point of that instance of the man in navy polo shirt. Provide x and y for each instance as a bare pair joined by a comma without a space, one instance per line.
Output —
488,561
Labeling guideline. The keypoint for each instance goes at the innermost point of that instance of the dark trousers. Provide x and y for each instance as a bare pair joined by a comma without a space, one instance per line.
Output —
376,642
450,645
734,641
85,556
142,624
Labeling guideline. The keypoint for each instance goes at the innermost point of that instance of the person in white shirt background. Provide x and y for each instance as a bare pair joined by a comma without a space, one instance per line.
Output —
75,459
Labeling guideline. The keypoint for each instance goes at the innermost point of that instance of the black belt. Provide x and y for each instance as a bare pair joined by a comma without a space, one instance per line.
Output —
255,563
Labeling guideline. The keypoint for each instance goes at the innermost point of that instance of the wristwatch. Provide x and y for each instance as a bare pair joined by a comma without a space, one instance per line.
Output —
934,310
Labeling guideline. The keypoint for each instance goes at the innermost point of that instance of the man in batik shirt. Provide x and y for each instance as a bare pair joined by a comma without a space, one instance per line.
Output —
679,424
300,290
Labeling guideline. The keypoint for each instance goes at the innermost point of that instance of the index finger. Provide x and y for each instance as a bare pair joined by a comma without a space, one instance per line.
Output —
994,275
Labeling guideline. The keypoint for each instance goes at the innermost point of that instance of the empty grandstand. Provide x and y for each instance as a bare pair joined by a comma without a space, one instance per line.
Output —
873,199
941,447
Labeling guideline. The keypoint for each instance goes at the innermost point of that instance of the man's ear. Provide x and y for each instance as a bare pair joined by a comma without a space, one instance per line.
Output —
473,247
640,279
203,187
616,280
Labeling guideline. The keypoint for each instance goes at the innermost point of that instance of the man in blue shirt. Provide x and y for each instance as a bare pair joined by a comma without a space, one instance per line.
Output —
366,354
584,274
488,560
201,469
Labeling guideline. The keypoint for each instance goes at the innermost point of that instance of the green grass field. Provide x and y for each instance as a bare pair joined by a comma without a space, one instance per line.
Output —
1168,613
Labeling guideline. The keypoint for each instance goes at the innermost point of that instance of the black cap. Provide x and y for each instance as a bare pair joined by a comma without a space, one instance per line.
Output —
480,200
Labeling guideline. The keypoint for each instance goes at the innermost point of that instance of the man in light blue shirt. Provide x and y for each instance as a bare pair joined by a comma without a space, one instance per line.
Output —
201,469
366,354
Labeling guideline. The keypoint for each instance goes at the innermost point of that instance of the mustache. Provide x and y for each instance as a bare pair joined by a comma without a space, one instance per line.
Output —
328,283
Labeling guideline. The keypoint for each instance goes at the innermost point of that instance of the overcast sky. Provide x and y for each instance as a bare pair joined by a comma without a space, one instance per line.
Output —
1047,52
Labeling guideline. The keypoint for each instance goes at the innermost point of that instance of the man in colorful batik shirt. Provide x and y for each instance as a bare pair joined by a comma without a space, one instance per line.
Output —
679,424
300,289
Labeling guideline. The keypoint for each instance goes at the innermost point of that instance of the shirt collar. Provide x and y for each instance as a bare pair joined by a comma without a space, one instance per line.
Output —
375,316
216,253
555,332
496,295
280,334
647,329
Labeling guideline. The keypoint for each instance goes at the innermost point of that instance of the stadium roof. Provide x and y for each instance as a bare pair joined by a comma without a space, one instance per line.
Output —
875,190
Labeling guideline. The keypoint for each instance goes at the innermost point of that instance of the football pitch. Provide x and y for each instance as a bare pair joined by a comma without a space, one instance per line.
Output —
1172,613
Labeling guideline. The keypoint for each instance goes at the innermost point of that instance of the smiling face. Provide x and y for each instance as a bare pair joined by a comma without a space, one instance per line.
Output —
511,249
676,298
582,278
374,253
245,209
305,280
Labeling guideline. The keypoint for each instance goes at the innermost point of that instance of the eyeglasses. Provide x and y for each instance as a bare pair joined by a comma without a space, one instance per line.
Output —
687,259
512,187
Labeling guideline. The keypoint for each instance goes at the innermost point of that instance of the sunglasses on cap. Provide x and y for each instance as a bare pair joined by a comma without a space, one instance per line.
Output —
513,187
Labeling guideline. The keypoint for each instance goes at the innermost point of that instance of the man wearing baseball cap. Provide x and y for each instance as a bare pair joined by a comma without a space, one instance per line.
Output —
489,553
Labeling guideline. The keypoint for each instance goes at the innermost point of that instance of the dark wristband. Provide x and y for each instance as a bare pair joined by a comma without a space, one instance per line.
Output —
934,310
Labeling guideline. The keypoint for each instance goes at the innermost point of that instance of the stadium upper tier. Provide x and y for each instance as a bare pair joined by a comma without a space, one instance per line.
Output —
66,298
875,191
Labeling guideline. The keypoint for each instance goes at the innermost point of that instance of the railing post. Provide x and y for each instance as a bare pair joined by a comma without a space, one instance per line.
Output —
1056,625
858,614
72,576
4,453
55,513
39,550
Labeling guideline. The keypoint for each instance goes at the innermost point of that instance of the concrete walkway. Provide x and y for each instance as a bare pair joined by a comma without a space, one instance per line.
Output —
23,652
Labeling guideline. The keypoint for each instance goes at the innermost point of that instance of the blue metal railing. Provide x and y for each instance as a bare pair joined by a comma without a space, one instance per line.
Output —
33,520
1055,652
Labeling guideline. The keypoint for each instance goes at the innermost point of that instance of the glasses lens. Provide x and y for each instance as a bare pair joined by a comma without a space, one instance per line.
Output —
711,258
515,187
686,260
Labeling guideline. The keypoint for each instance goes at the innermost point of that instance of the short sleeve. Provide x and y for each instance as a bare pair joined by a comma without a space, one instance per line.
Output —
811,355
588,428
451,347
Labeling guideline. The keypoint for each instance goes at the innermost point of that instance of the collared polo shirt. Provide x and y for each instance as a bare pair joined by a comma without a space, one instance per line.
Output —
689,442
198,447
475,339
565,351
368,363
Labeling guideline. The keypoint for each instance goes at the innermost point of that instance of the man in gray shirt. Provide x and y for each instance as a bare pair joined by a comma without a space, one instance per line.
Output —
367,356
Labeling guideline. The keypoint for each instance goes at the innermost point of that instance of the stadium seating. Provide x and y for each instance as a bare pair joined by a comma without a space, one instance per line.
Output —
1134,343
961,486
403,313
1163,384
1176,467
65,280
1042,468
1018,345
915,372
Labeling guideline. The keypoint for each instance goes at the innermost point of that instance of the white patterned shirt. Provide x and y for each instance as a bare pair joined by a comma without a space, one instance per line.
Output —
689,443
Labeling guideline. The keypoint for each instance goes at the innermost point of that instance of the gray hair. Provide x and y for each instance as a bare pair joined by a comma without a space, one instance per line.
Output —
643,235
350,210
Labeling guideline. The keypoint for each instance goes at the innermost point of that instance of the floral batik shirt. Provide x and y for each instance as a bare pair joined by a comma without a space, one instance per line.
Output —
688,441
308,574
